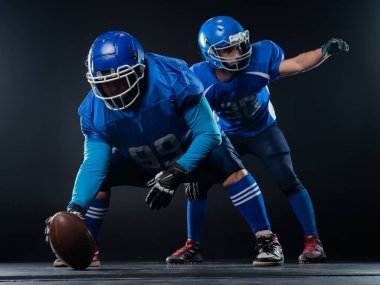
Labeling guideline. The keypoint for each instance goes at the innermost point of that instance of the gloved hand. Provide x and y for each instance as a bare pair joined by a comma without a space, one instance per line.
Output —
164,186
334,46
74,209
77,210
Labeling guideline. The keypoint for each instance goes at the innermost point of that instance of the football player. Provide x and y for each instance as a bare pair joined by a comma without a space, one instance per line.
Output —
236,74
146,116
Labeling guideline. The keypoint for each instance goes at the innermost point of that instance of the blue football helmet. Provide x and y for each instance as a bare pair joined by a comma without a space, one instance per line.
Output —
115,68
219,35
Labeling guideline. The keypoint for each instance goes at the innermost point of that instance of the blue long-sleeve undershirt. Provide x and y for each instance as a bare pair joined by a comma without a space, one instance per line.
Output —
97,154
207,136
91,173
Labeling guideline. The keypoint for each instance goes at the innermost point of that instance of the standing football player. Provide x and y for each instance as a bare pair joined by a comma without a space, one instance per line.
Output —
235,75
146,115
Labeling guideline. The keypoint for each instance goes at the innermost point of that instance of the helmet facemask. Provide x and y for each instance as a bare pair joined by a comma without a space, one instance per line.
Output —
238,41
118,89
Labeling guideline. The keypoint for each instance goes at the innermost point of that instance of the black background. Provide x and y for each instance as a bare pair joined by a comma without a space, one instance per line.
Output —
329,115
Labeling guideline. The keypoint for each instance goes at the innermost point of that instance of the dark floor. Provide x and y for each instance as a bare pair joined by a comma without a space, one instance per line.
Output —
215,272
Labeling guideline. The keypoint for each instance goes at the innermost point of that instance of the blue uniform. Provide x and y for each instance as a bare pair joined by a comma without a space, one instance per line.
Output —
155,134
172,123
246,114
243,104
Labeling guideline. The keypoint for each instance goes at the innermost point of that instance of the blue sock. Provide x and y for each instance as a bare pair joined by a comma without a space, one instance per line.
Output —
246,196
303,208
196,216
95,215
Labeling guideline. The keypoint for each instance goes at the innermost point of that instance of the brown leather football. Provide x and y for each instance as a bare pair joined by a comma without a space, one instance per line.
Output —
71,241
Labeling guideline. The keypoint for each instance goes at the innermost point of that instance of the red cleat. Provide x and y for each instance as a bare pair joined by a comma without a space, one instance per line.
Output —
186,254
313,252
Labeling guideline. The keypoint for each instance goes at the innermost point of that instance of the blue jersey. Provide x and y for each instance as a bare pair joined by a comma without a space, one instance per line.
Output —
243,104
155,134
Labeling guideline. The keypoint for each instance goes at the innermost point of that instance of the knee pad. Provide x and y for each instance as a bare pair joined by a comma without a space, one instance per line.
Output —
225,160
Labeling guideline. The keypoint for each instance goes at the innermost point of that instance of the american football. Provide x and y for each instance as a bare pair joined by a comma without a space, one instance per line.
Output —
71,241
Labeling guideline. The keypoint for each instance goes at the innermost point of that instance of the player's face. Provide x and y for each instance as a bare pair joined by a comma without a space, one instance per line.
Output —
120,90
231,52
113,88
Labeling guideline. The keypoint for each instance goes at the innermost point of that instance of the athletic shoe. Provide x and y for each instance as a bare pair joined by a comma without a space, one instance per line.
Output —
269,250
187,254
313,252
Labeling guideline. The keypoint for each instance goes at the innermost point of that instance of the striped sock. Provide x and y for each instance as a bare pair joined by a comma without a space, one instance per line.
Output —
246,196
95,215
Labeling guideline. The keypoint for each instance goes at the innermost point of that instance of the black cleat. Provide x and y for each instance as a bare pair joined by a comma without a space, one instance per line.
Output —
187,254
313,252
269,250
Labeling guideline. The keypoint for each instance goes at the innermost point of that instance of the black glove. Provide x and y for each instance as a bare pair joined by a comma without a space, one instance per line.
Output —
77,210
74,209
334,46
164,185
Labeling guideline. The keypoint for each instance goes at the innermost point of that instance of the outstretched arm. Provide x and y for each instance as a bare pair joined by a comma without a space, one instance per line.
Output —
300,63
309,60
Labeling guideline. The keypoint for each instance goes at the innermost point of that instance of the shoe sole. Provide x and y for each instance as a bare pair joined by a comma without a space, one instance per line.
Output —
263,264
183,262
60,265
312,260
95,264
